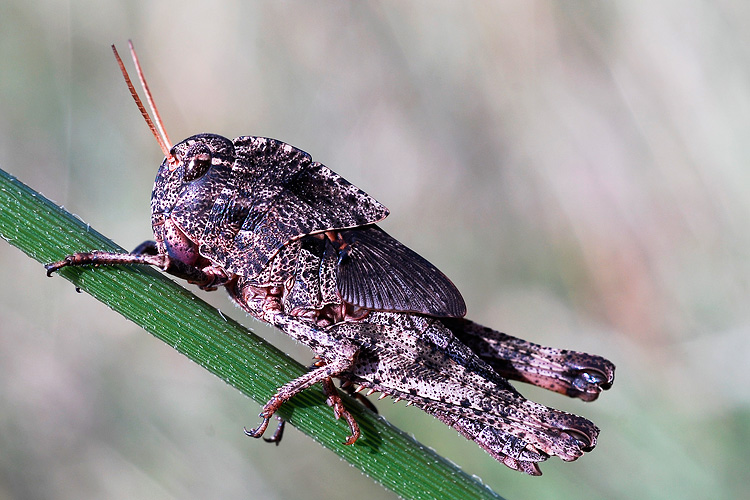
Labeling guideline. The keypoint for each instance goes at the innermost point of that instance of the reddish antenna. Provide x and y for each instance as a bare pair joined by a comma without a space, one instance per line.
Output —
161,135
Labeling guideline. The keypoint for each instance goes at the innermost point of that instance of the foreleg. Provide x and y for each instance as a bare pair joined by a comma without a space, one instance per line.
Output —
145,255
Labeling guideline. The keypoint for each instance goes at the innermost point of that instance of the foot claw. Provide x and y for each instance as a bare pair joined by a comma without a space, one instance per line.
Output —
258,431
55,266
335,402
278,433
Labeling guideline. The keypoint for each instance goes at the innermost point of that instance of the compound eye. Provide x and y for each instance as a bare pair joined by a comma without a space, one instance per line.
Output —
197,161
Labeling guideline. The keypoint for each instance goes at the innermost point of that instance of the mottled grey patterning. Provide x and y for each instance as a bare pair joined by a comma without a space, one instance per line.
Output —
296,246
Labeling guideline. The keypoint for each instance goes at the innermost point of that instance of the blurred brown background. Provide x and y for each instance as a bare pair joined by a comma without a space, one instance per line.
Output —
579,169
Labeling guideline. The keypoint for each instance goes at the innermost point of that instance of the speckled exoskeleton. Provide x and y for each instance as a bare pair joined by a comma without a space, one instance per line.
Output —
297,246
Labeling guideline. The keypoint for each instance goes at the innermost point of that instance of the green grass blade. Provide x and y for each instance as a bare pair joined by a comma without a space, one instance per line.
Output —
174,315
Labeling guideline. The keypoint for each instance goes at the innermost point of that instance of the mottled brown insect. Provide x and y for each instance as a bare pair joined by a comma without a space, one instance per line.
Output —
297,246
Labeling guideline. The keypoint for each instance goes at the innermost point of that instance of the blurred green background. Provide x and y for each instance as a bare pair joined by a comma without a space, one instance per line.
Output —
579,169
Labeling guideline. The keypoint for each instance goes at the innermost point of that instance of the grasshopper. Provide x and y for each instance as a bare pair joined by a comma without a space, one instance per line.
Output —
297,246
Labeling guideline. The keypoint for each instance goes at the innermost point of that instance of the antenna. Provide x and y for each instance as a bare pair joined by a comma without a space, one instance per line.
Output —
160,134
